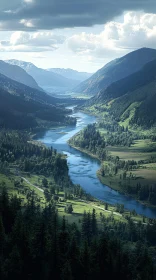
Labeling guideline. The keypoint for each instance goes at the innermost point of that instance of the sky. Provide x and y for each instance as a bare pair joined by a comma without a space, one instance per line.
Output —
80,34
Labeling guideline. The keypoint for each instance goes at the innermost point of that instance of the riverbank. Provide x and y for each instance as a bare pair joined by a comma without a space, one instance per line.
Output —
83,151
83,166
112,182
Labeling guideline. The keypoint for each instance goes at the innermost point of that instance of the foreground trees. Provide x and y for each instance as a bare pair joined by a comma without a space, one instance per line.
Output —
37,244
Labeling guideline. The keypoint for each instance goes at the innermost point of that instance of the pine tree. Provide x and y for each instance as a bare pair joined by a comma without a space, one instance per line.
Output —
2,246
94,223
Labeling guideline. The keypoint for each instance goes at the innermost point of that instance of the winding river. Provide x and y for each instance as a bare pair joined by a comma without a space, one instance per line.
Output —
82,167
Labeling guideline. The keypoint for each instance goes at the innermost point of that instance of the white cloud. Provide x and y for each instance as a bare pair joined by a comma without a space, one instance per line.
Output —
32,42
27,23
28,1
137,30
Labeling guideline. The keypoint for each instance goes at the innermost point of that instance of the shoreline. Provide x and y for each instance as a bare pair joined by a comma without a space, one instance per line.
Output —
97,173
102,180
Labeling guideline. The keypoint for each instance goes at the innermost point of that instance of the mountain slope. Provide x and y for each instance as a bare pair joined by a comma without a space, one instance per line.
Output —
44,77
132,98
23,107
71,74
18,74
117,70
16,88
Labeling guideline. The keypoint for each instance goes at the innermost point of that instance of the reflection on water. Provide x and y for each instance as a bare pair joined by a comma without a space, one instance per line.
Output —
83,168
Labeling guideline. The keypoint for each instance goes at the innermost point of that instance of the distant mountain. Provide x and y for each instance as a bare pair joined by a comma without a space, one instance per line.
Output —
71,74
44,77
132,98
28,93
18,74
22,107
116,70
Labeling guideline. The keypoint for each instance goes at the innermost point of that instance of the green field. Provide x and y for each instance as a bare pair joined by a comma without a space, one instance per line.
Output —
79,206
140,150
9,182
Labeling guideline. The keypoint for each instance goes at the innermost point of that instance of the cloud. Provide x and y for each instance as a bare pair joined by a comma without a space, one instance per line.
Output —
21,41
51,14
137,30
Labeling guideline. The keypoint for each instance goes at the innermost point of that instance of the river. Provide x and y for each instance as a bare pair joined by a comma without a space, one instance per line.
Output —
83,168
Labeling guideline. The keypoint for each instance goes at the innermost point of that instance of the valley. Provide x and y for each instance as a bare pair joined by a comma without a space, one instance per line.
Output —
78,170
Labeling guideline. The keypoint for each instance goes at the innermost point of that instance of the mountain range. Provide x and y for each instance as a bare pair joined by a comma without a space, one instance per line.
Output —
51,78
116,70
71,74
126,88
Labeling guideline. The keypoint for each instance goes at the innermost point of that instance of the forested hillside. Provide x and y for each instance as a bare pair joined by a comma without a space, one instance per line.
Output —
132,98
17,152
22,107
116,70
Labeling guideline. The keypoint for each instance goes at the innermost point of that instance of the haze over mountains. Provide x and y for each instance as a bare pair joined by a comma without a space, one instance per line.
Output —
49,79
72,74
116,70
124,87
18,74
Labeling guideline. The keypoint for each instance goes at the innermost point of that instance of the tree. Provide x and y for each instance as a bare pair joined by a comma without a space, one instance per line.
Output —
124,175
44,182
2,242
47,195
106,206
69,208
94,223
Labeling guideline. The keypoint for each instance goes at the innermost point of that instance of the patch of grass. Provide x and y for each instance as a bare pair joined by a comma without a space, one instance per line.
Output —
130,112
79,95
140,150
8,180
79,207
145,176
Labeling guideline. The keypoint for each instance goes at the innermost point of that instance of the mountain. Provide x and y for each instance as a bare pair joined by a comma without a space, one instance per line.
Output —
28,93
22,107
132,98
18,74
116,70
44,77
71,74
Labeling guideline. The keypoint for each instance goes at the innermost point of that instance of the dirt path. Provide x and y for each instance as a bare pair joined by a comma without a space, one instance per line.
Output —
27,181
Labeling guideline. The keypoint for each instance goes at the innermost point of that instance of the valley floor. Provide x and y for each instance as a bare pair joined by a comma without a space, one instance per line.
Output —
141,151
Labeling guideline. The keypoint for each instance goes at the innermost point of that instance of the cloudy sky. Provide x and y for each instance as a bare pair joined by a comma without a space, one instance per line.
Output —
79,34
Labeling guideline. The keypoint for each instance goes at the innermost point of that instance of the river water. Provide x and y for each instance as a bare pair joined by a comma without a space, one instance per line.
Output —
83,168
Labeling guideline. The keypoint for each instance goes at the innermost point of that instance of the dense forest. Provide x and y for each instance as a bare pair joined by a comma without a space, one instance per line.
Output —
18,113
36,244
19,153
91,140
